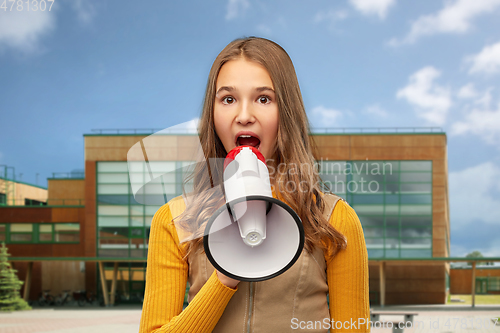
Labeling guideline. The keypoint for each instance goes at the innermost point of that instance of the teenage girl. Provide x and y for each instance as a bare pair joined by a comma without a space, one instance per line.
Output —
253,98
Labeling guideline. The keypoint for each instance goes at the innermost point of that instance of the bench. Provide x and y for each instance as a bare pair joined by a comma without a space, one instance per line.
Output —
408,317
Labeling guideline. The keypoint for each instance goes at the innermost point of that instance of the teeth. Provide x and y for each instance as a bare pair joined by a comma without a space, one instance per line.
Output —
245,136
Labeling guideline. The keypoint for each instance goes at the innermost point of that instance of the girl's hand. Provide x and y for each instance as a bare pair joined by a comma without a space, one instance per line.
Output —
227,281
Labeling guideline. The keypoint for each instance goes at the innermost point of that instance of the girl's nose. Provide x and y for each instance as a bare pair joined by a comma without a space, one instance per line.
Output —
245,114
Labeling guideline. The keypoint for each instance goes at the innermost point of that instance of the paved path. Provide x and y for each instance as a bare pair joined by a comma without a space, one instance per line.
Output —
444,319
125,319
95,320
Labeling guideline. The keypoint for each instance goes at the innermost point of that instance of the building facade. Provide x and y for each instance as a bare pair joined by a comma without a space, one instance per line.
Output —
396,182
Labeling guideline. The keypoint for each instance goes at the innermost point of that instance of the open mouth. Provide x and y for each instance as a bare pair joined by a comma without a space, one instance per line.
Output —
248,140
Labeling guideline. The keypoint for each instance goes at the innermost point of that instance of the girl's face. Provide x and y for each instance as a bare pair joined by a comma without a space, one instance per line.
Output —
245,108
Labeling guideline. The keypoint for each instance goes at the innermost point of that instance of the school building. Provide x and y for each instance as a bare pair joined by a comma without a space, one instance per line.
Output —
88,228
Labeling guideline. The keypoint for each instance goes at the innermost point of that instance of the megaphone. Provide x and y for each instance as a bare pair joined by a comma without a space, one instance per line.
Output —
253,237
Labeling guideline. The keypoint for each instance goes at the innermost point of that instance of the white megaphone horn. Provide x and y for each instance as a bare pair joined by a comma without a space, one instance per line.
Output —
253,237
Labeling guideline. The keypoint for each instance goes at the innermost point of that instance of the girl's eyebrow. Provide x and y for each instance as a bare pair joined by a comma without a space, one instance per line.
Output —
229,89
260,89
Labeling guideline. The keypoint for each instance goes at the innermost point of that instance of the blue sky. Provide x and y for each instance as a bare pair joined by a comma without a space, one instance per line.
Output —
361,63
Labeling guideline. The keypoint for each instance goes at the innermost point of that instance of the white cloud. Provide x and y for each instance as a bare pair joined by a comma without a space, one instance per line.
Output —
456,17
85,10
22,30
481,121
487,61
373,7
472,195
430,100
376,110
235,8
326,117
467,92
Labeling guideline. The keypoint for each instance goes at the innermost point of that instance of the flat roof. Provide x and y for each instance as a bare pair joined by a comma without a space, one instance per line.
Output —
313,131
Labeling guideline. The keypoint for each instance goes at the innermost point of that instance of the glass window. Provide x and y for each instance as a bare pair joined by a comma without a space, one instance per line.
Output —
67,232
137,210
137,221
416,232
416,209
333,167
416,220
45,228
368,199
112,210
373,232
421,188
369,209
112,189
420,253
375,243
391,232
372,221
366,178
112,167
3,232
106,221
374,253
151,210
115,178
392,177
392,188
45,233
113,232
392,243
136,232
416,243
67,227
392,199
21,237
391,253
114,199
45,237
392,221
416,166
21,227
420,177
391,209
416,198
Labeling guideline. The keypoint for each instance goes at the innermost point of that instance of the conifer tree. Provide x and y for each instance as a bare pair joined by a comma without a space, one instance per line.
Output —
10,299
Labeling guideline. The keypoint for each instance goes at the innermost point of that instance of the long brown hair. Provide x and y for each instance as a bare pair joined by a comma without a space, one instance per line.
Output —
293,149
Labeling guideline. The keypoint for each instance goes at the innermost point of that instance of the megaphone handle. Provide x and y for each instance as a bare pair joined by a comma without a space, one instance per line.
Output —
230,209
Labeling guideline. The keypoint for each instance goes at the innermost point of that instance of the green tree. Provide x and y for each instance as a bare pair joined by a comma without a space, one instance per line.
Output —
10,299
477,254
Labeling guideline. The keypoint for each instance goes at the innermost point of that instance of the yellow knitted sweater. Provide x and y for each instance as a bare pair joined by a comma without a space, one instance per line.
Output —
167,274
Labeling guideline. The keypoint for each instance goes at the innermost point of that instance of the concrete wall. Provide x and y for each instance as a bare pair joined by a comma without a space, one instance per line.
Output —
20,191
66,192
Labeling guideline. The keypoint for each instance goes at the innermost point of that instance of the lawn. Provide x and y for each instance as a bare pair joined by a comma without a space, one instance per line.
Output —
480,299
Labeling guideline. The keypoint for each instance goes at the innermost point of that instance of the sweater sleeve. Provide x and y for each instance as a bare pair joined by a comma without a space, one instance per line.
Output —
166,277
347,274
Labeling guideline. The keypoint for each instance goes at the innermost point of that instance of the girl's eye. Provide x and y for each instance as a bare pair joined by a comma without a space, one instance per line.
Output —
264,99
228,100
